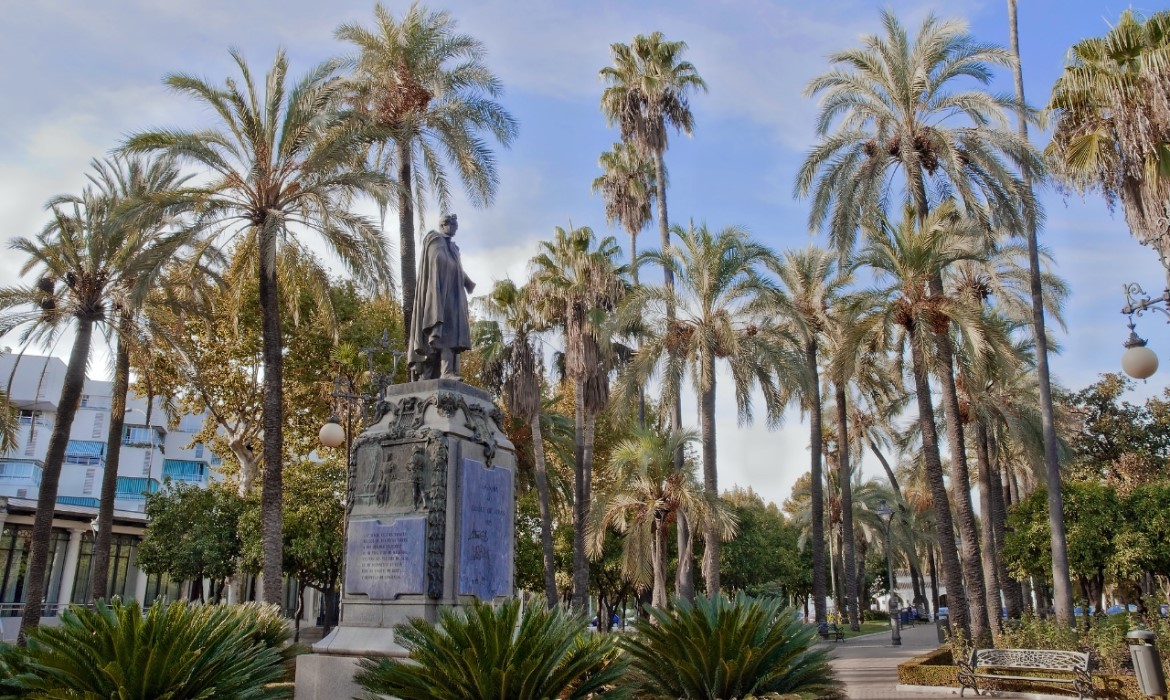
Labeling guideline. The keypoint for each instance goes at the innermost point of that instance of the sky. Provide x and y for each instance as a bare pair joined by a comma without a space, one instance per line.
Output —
81,76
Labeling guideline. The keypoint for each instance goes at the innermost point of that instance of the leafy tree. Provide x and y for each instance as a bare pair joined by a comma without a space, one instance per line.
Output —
764,557
282,164
1111,130
192,533
425,86
314,532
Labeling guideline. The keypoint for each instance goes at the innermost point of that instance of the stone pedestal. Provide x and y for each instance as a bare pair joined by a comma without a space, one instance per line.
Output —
431,524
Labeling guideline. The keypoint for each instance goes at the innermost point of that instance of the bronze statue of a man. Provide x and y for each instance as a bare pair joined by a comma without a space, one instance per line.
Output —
440,328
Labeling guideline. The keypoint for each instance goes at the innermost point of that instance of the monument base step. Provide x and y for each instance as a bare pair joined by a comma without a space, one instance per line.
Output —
327,673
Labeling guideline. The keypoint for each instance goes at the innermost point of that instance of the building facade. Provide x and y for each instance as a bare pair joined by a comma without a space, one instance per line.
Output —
150,454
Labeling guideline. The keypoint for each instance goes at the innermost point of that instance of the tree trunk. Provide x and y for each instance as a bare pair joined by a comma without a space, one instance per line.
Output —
845,483
816,484
71,388
986,530
961,482
1062,588
658,598
101,551
951,570
272,490
1013,600
406,268
546,539
712,541
580,599
886,466
932,563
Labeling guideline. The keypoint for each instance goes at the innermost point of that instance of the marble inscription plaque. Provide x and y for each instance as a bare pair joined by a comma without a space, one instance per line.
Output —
486,531
386,560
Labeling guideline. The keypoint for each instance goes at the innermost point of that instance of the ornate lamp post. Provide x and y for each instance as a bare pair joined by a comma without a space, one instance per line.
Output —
887,515
1139,361
332,433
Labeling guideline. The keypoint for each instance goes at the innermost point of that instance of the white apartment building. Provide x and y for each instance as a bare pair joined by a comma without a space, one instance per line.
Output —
150,453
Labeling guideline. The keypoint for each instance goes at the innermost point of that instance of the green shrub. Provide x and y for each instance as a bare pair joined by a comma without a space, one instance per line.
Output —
497,653
174,651
10,662
719,648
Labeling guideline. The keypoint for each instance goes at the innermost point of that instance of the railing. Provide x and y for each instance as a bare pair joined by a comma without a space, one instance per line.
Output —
17,609
180,470
135,487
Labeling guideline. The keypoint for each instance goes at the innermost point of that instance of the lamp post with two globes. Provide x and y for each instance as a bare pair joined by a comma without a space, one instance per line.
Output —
887,515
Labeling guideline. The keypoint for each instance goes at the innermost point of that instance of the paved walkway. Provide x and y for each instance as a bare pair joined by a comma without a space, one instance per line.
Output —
869,664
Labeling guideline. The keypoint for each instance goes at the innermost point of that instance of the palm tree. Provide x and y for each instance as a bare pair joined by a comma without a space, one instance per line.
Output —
85,261
8,424
717,276
1061,584
645,495
281,163
906,258
808,285
647,91
1111,126
629,187
122,181
508,339
574,279
426,87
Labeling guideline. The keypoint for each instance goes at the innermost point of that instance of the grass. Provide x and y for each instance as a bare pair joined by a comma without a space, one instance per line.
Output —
868,627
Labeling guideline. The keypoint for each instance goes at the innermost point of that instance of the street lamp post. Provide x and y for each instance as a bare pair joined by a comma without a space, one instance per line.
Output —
1139,361
887,515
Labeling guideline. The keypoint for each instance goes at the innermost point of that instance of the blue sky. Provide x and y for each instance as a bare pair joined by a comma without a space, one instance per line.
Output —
80,76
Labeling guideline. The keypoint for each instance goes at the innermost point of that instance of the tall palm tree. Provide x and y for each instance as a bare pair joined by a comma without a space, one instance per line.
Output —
644,496
281,163
1062,586
717,276
647,92
1111,126
85,262
427,88
905,258
576,278
629,187
8,424
121,181
808,284
508,339
892,107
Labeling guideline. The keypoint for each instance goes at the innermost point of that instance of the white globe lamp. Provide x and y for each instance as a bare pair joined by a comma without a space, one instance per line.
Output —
1138,361
332,434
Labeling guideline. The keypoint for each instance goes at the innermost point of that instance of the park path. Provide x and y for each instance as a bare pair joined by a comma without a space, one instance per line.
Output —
869,664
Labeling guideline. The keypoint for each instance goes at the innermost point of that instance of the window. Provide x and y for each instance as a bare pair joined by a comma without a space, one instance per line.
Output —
190,424
14,552
120,582
198,450
82,459
138,435
85,400
160,587
25,417
99,424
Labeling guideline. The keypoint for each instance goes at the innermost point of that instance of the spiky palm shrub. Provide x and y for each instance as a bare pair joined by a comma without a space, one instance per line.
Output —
174,651
10,661
718,648
497,653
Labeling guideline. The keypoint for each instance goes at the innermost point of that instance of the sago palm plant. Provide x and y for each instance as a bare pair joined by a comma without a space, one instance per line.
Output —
718,648
174,651
497,653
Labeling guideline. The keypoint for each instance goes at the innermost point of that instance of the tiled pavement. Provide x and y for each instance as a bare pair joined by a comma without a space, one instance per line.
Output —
869,664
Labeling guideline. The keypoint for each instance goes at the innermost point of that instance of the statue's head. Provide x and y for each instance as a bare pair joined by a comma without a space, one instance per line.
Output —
449,224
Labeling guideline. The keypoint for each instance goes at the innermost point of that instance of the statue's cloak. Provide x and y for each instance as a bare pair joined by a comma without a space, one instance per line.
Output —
440,298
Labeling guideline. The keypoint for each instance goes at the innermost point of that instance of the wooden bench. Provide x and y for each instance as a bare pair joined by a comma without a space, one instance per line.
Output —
1008,664
832,631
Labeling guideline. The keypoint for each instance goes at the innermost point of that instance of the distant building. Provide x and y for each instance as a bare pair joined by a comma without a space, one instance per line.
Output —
150,454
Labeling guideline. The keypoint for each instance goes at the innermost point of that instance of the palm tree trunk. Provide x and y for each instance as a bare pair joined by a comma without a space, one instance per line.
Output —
846,486
406,269
580,599
546,540
1062,587
101,552
816,483
658,598
1013,599
951,570
986,529
634,279
885,466
711,536
933,564
71,388
272,489
961,480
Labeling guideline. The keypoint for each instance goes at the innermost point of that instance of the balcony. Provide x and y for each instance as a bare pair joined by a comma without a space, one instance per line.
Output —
83,501
135,488
185,470
20,472
85,452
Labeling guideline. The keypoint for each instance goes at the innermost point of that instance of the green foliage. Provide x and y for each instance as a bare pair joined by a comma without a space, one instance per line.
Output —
720,648
192,532
314,540
497,653
174,651
764,557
